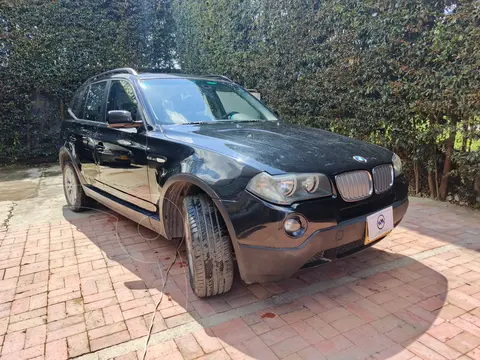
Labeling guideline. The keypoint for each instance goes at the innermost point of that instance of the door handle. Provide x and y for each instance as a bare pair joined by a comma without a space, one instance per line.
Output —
99,147
125,142
158,159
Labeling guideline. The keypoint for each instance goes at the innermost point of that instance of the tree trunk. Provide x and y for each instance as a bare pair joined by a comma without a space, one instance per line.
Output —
417,176
470,135
447,165
431,185
464,136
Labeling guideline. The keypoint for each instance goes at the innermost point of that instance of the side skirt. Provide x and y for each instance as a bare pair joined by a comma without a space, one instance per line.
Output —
144,217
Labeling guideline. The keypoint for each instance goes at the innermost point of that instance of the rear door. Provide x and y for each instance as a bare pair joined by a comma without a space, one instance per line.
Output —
86,112
121,152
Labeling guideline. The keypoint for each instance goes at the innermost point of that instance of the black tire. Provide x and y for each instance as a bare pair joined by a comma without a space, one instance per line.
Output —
76,199
209,249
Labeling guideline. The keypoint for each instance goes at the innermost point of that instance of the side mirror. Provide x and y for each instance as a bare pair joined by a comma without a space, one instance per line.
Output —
120,118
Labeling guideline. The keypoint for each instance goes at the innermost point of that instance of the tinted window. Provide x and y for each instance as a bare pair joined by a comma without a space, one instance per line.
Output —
94,102
122,97
77,104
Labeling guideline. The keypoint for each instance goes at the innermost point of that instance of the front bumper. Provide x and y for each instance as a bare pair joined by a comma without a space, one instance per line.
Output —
260,264
265,253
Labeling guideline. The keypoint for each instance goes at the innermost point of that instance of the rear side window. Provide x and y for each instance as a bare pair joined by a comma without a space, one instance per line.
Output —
94,102
77,104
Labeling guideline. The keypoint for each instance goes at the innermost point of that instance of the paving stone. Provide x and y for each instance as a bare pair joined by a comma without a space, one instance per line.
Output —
68,289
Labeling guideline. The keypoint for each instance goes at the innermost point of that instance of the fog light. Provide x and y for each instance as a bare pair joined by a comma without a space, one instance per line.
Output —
294,226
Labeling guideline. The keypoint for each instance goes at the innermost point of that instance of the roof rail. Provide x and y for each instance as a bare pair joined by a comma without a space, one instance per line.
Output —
111,72
219,76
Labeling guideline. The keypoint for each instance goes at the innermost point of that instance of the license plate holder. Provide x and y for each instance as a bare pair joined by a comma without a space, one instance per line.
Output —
378,225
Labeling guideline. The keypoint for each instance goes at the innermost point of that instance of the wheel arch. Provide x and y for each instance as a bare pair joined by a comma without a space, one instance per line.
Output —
171,202
65,155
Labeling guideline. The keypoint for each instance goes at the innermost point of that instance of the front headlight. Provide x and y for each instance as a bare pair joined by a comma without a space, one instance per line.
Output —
289,188
397,165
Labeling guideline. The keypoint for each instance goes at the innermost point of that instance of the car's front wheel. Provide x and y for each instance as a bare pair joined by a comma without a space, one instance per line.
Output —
209,249
76,199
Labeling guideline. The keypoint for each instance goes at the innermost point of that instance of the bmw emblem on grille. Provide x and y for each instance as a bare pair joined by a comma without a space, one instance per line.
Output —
359,159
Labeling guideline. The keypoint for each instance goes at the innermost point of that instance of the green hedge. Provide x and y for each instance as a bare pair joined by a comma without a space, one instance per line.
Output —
48,48
411,68
402,74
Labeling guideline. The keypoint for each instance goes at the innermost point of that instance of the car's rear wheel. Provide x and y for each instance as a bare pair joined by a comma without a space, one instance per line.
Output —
209,249
76,199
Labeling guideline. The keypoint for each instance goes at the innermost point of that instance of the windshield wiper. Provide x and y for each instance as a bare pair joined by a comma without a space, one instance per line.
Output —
198,123
249,120
223,121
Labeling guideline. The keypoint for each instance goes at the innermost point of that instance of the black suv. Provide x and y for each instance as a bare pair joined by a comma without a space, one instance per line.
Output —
200,156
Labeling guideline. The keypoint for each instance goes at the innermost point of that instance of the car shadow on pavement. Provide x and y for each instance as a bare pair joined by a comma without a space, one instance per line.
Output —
373,304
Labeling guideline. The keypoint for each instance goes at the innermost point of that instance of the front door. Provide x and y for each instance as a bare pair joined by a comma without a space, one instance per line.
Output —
121,153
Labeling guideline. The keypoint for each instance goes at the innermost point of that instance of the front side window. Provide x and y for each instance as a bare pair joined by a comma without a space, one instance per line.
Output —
184,101
94,102
122,97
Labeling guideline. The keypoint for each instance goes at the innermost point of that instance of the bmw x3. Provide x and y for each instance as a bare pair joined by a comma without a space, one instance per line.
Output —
200,158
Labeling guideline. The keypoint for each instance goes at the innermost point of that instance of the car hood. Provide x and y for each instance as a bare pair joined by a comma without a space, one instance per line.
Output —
278,147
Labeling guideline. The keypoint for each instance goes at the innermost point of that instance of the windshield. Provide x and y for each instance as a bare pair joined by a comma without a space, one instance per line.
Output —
184,101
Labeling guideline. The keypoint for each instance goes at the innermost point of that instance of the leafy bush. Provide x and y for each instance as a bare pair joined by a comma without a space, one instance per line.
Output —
49,48
403,74
410,68
466,175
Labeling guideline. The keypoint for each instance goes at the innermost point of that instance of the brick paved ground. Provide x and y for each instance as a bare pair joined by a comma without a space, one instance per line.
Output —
87,288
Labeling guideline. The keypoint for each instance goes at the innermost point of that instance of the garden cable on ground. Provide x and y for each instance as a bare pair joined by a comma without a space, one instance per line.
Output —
164,278
152,322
